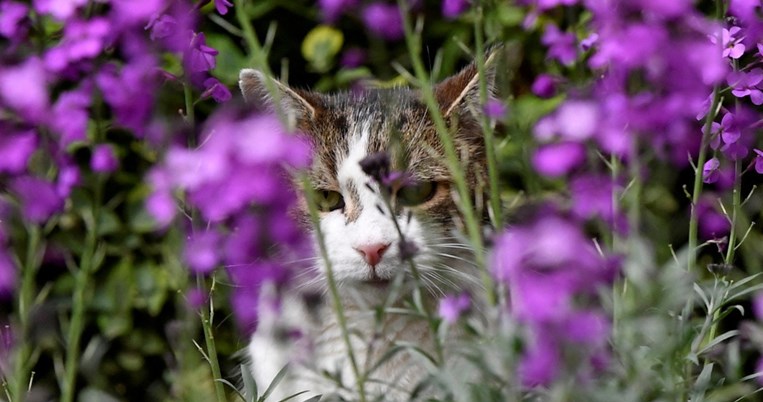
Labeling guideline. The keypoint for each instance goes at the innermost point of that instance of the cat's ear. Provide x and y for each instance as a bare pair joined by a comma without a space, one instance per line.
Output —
461,92
296,104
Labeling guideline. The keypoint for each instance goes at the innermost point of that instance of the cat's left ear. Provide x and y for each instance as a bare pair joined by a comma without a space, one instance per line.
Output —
297,105
461,92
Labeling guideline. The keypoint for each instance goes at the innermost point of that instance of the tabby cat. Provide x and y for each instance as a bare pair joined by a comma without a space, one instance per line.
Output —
362,241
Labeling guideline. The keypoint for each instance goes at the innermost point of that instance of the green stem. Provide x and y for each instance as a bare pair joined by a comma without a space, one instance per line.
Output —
207,319
454,164
496,216
190,115
20,383
333,289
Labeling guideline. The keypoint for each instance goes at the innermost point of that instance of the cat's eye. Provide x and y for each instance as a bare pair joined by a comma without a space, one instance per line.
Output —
327,200
416,193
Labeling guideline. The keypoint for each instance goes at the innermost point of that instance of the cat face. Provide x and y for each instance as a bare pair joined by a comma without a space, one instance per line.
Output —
362,232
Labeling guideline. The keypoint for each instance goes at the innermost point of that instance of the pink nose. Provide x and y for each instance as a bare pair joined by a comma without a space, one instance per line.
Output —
372,253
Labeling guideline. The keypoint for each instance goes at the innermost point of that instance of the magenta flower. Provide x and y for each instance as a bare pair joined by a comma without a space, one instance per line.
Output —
202,251
16,149
7,274
69,116
103,159
82,40
732,46
331,10
199,57
383,20
712,223
12,16
24,88
127,92
544,86
451,9
589,41
747,83
216,90
561,45
758,160
222,6
353,57
710,171
38,198
495,109
60,9
452,307
556,160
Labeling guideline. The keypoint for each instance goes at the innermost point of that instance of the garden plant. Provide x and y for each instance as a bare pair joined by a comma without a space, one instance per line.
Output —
146,223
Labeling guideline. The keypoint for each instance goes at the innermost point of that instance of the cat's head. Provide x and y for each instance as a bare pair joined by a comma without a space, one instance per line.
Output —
361,238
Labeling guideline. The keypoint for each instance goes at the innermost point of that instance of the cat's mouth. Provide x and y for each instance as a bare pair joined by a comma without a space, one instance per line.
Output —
375,280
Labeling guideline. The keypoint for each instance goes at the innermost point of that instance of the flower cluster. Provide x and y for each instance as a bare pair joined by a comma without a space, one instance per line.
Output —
237,179
554,273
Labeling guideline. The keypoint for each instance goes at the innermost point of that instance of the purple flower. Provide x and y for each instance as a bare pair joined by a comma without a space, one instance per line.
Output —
69,116
7,274
24,88
561,45
130,92
726,131
353,57
103,159
555,160
758,160
744,84
174,29
592,197
589,41
82,40
331,10
710,170
68,177
757,307
196,298
60,9
128,12
199,57
540,363
577,120
12,14
38,198
15,150
544,86
383,20
495,109
215,89
732,46
452,307
222,6
202,251
712,223
451,9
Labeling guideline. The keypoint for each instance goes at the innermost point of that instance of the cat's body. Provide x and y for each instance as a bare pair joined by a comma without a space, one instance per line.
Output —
362,241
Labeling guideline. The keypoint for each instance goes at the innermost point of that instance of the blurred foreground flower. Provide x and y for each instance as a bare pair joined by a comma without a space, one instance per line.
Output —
554,274
238,180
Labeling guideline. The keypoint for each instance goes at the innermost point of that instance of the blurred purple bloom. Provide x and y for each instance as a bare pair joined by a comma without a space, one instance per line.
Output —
38,198
130,92
452,307
215,89
103,159
757,307
331,10
712,223
555,160
353,57
589,41
129,12
60,9
15,150
747,83
383,20
175,28
7,274
222,6
592,197
561,45
202,251
12,14
68,177
577,120
196,298
547,4
24,88
544,86
82,40
710,170
451,9
495,109
199,57
162,207
540,362
69,116
758,160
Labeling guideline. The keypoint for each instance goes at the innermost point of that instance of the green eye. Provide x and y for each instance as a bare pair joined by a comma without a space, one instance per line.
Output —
417,193
327,200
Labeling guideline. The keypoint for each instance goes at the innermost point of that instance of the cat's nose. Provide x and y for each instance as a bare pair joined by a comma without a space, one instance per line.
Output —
372,253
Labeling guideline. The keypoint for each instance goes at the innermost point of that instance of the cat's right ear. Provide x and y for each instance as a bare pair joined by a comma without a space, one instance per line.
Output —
296,105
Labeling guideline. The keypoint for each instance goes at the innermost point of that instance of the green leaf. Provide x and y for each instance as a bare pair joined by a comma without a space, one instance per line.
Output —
281,374
321,45
250,386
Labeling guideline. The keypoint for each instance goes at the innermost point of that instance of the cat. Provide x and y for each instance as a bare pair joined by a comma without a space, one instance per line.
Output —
361,240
